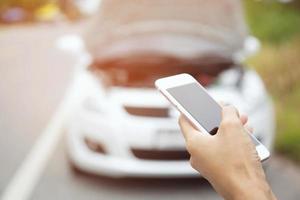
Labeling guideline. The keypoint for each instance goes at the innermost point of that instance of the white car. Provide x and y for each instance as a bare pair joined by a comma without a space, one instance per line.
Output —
125,127
128,129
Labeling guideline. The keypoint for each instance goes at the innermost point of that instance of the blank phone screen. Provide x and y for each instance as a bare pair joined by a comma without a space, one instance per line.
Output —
203,108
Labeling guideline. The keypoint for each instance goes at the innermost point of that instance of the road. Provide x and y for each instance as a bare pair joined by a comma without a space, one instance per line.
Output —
34,78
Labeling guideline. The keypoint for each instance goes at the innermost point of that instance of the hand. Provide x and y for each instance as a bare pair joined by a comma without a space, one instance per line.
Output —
228,160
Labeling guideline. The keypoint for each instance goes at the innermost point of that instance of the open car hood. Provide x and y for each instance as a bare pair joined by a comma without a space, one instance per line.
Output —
187,29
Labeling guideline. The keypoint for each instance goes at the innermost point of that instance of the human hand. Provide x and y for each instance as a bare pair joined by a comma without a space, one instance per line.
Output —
228,160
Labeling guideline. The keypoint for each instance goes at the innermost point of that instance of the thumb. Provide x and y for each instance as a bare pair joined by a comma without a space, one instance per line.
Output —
230,113
188,130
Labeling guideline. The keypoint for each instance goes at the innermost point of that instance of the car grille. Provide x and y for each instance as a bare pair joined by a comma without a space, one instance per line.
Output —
160,154
148,111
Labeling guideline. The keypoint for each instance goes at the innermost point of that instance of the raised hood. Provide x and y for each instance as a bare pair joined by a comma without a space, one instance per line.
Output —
185,29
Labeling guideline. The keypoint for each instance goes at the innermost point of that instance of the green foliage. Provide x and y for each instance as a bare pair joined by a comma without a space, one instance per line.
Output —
279,66
271,21
288,141
278,26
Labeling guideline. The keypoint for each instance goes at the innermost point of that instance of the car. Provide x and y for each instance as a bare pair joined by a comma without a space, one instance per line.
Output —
124,127
129,129
134,131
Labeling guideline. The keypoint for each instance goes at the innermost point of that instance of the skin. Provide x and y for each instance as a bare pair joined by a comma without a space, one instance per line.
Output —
228,160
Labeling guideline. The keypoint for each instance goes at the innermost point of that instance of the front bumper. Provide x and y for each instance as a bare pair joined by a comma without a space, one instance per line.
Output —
118,160
122,167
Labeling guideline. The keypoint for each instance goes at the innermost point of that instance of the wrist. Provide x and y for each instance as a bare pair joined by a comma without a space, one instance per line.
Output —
252,190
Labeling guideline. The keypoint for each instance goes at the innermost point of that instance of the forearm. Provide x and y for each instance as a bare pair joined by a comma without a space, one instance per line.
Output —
250,191
253,193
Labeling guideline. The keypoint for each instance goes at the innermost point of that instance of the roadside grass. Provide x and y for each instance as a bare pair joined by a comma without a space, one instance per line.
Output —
278,63
279,67
288,139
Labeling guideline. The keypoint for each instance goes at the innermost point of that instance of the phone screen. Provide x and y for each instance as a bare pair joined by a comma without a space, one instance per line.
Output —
203,108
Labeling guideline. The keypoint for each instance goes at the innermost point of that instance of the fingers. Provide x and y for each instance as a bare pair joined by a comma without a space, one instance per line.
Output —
186,128
193,138
231,122
244,119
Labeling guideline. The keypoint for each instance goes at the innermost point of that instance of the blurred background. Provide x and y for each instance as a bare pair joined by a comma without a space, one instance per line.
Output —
55,62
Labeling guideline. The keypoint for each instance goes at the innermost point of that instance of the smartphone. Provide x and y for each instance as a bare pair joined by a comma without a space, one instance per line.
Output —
194,102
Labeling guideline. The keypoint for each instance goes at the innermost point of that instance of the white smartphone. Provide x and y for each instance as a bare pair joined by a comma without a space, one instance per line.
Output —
194,102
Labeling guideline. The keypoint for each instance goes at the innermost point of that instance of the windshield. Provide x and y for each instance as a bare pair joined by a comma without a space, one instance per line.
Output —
142,71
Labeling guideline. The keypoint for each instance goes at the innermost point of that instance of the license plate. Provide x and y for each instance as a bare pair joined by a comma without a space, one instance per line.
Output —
169,138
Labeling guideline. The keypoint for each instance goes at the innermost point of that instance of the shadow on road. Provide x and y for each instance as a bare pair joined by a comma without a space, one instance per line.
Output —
156,184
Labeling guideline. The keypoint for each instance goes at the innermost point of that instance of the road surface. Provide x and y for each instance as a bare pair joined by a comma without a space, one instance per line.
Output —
34,78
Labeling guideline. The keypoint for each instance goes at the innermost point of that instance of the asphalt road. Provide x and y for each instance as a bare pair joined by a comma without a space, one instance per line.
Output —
61,182
34,77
